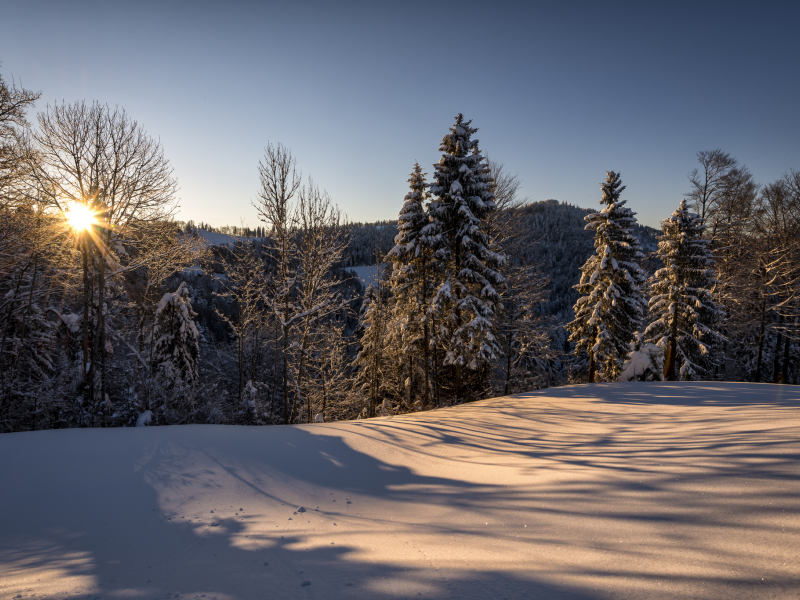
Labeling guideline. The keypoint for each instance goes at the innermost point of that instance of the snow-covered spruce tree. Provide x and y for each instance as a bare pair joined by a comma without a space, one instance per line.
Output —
467,298
681,302
610,309
176,340
369,363
410,282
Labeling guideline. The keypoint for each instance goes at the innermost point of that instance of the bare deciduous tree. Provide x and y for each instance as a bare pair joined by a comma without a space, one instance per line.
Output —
14,129
709,180
99,158
280,183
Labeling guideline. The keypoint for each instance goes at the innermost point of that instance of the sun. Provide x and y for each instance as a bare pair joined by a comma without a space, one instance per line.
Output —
80,217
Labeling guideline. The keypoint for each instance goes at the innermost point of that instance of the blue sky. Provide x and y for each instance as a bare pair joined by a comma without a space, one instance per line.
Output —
561,92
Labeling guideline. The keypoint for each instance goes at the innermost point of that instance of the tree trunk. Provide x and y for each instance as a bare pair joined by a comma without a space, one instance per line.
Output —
240,356
787,343
324,396
761,339
95,340
87,388
285,375
426,366
410,380
255,353
508,372
673,351
274,372
101,325
776,363
592,364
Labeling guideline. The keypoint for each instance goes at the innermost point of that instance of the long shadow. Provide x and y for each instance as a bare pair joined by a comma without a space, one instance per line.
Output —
84,526
684,393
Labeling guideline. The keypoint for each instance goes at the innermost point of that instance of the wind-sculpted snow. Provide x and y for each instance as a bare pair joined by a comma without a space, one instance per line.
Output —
639,490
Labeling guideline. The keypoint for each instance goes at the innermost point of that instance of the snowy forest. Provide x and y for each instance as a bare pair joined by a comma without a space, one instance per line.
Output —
113,313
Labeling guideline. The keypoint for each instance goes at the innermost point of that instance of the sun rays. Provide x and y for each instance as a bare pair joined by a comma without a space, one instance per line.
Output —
80,217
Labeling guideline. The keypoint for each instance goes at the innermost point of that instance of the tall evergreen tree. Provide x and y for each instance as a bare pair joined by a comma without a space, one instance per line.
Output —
682,303
467,296
176,339
410,282
370,376
610,309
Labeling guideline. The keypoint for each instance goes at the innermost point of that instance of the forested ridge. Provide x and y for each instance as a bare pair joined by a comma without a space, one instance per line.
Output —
115,314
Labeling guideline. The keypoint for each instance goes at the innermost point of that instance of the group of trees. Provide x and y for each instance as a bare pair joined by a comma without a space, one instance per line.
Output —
112,313
458,316
88,242
753,232
724,303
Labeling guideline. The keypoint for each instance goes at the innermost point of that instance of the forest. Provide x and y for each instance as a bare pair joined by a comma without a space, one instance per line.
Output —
113,313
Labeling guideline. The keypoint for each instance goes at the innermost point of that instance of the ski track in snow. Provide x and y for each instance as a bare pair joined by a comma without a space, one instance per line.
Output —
637,490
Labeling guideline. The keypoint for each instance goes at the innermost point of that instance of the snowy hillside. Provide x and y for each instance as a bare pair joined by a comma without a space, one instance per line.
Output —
639,490
216,239
367,274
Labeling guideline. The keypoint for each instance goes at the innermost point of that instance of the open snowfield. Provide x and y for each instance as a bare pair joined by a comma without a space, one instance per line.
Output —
586,492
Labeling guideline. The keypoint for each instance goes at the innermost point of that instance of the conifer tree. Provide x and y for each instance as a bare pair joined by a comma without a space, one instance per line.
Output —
609,311
369,363
682,303
177,340
467,296
410,282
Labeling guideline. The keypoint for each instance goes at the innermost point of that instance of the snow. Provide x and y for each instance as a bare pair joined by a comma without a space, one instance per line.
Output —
216,239
144,419
367,274
72,321
639,361
638,490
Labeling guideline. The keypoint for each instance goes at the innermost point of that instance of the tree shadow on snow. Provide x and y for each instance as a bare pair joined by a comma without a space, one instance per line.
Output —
83,526
683,393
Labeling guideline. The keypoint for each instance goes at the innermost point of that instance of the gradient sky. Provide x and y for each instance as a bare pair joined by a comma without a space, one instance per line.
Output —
561,91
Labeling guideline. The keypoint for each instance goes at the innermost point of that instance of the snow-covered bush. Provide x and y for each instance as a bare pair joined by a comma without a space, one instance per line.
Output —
645,362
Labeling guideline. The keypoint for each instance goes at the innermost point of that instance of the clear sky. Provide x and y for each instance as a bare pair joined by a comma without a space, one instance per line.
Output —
561,91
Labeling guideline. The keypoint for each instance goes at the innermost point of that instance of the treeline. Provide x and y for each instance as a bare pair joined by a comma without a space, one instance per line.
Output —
364,240
724,303
114,314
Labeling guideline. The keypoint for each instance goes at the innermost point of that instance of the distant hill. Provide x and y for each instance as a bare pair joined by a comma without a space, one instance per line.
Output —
215,239
555,239
558,242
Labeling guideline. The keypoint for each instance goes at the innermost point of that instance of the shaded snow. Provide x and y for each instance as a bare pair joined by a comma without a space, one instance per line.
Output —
144,419
367,274
640,490
216,239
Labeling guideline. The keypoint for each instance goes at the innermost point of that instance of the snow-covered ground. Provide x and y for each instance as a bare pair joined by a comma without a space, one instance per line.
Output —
367,274
220,239
216,239
633,490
